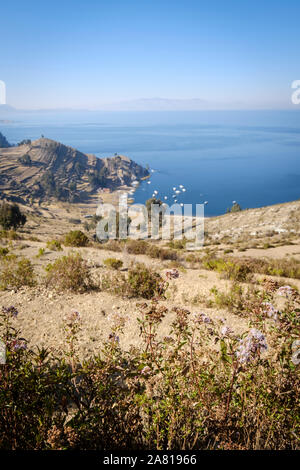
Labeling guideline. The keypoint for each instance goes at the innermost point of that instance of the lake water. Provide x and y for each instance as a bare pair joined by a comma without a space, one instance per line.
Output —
252,157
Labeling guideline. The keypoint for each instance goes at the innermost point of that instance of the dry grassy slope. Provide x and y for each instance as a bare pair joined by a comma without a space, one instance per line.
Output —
42,310
67,165
255,223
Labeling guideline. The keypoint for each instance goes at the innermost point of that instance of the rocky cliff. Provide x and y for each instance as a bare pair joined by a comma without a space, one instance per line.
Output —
46,169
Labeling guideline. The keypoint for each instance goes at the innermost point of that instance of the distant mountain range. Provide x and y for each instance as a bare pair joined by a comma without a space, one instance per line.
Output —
5,108
46,169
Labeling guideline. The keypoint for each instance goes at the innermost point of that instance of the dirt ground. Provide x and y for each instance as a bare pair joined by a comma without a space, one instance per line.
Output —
273,230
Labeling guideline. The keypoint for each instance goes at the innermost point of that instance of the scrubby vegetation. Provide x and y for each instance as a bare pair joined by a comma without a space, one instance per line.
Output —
140,281
240,269
54,245
76,238
69,272
11,216
113,263
16,272
201,387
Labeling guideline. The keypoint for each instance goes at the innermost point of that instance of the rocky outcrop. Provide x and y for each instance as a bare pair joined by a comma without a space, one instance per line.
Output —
3,141
46,169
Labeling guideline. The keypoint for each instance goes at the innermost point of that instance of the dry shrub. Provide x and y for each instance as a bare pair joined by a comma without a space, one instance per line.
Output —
144,282
137,247
76,238
16,273
69,272
141,281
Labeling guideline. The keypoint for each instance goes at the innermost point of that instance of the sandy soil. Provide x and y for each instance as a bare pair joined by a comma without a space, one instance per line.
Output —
42,311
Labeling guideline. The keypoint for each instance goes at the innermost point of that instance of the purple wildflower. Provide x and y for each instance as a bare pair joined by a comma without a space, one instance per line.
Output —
226,331
201,318
114,338
10,311
172,274
270,310
146,370
285,291
251,347
18,344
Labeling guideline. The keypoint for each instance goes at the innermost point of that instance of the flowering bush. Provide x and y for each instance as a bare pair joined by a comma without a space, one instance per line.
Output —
202,386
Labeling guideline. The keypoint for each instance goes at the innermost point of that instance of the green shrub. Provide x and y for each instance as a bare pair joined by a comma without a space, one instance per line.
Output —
113,263
235,208
41,252
76,238
3,251
69,272
228,269
11,216
54,245
16,273
140,282
144,282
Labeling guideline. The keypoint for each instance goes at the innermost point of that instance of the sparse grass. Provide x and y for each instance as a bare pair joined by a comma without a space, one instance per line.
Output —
41,252
10,235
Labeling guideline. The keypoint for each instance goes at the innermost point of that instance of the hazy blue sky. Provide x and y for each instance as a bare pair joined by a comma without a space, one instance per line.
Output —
230,53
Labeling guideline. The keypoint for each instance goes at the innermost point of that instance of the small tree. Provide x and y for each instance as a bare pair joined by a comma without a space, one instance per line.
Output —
235,208
157,202
11,216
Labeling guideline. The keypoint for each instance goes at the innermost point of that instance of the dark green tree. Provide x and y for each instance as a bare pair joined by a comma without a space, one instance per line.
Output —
11,216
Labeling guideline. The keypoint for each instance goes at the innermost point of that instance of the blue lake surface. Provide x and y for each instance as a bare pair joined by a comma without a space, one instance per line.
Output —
252,157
